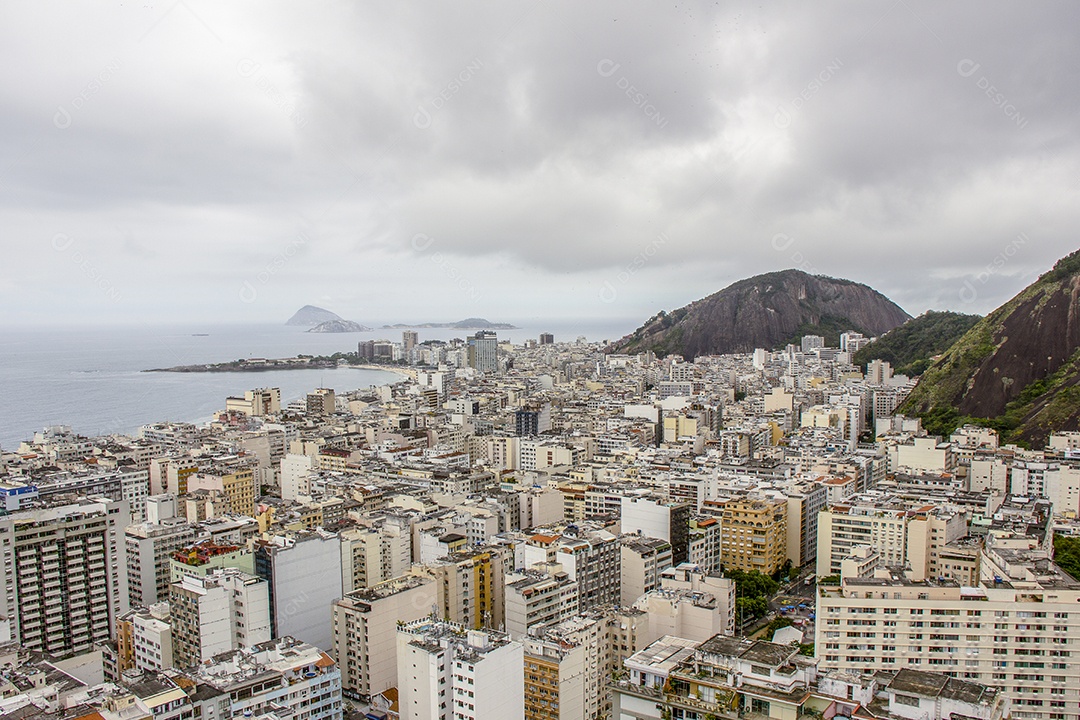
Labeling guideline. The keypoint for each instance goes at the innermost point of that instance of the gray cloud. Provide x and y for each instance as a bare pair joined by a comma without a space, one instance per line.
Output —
545,149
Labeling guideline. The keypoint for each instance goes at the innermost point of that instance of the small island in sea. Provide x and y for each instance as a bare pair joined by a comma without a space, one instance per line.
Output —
466,324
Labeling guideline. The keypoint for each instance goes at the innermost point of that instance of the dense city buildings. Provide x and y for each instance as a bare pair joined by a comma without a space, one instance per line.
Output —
548,531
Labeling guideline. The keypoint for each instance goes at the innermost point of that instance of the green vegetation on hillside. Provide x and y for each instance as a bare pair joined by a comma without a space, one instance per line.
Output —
910,348
829,327
1044,405
1067,554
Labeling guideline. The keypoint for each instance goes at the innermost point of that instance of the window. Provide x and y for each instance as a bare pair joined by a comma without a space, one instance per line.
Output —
909,700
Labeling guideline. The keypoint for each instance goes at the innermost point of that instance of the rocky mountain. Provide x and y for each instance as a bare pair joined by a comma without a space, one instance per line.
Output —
339,326
1018,369
911,348
311,315
766,311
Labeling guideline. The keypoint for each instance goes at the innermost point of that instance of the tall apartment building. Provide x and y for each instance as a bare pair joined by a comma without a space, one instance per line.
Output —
593,562
371,555
304,576
149,630
144,639
804,501
62,569
642,559
321,402
150,546
568,664
281,678
555,678
448,671
706,535
755,534
874,520
655,518
483,351
924,536
222,611
264,401
365,625
532,420
538,598
470,586
1018,630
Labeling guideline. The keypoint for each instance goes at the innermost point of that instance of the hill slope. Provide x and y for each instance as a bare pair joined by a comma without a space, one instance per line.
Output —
1017,369
911,347
766,311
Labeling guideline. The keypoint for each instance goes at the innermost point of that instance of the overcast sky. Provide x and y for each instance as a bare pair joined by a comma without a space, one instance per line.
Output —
403,161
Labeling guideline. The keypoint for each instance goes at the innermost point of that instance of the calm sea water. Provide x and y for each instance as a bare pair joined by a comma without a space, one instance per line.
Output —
91,379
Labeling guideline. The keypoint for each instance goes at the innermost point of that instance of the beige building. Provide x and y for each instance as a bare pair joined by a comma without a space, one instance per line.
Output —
642,559
238,484
568,665
371,555
689,604
868,520
365,630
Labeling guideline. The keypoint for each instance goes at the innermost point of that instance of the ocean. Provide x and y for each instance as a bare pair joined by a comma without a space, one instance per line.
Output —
91,378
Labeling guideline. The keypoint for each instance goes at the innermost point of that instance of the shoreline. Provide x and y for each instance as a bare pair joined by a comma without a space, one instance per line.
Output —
277,364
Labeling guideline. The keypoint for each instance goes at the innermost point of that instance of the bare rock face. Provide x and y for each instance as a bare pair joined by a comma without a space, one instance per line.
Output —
311,315
766,311
1019,366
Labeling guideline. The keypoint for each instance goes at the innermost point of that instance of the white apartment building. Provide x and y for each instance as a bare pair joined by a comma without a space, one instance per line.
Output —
365,624
304,575
282,678
223,611
152,639
1018,630
150,546
449,672
536,598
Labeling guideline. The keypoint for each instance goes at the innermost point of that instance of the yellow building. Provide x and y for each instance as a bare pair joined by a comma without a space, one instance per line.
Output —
541,687
470,586
242,490
754,534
